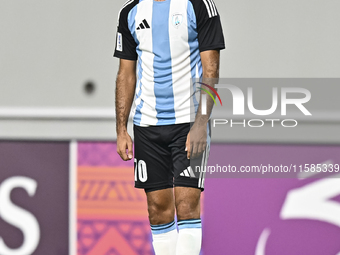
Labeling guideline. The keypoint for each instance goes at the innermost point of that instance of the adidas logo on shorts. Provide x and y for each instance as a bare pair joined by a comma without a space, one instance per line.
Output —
188,172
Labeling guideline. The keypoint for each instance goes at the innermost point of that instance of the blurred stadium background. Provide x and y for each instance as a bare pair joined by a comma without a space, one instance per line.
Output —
63,189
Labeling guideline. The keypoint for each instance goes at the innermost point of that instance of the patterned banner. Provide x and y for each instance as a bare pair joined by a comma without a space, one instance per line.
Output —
112,214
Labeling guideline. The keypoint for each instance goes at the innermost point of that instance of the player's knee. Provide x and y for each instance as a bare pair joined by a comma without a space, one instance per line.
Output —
188,209
160,213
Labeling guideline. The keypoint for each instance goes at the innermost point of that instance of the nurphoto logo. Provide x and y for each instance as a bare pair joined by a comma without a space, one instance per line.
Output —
239,104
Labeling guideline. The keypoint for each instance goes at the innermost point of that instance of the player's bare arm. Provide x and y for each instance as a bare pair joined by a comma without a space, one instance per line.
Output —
125,90
197,137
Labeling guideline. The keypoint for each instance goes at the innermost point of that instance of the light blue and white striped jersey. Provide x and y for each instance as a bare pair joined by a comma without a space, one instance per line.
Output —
166,37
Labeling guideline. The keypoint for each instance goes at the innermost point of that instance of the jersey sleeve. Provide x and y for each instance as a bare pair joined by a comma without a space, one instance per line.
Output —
125,43
209,28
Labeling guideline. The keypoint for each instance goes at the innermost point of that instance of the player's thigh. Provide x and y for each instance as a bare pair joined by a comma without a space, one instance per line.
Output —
187,201
161,206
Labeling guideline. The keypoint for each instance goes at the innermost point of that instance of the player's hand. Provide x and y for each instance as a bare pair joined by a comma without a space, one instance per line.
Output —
196,141
124,146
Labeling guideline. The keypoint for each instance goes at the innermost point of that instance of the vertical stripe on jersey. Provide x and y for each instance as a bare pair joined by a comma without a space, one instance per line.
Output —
162,63
211,8
181,62
195,57
214,7
213,11
193,42
208,8
145,100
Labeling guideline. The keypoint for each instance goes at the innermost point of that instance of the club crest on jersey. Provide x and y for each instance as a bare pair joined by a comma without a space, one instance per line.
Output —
177,20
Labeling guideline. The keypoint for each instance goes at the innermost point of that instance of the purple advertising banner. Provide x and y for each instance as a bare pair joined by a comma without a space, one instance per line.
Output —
272,216
34,198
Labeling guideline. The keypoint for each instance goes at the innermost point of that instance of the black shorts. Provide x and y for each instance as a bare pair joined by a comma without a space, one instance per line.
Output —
161,160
